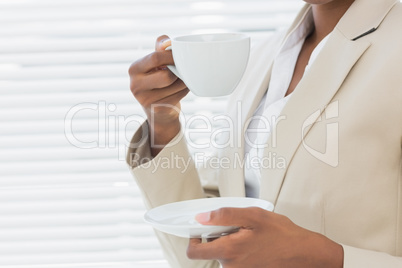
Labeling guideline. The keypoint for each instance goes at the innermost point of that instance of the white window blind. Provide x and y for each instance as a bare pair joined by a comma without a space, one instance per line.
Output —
66,115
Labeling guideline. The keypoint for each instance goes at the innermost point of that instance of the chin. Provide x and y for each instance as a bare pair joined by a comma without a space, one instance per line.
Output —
318,2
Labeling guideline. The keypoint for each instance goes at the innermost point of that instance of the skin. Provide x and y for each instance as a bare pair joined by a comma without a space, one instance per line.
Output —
265,239
152,83
326,14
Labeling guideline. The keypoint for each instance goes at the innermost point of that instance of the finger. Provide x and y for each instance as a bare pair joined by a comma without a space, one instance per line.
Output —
177,86
162,42
152,61
158,79
204,251
247,218
175,98
212,239
148,97
222,248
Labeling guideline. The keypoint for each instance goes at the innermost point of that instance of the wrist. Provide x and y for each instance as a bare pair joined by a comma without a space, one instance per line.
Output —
161,134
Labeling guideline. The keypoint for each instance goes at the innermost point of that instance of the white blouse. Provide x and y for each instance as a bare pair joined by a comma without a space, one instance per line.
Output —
272,103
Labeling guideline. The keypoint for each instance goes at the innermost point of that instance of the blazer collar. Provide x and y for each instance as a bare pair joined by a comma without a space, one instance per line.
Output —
310,98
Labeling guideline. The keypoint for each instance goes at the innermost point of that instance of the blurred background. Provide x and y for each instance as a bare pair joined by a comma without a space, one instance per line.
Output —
67,198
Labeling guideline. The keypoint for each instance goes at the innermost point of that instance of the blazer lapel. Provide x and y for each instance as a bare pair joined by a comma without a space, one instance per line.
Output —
308,101
363,17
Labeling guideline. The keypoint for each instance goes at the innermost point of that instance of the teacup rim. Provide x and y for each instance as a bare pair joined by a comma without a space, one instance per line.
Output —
241,37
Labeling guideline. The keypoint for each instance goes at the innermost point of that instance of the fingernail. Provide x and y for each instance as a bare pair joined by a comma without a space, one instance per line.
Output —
165,41
203,217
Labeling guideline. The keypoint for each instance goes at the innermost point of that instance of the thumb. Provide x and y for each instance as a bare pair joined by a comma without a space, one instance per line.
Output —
229,217
162,42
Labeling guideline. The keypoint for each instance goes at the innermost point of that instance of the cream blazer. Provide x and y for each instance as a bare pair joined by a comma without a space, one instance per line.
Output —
341,143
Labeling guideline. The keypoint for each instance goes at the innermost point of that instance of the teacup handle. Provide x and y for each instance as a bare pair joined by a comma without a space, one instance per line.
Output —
173,68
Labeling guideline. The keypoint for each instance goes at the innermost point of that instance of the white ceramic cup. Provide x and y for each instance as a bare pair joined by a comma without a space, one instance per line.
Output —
211,65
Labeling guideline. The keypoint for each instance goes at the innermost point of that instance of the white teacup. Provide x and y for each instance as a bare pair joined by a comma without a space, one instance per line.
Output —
211,65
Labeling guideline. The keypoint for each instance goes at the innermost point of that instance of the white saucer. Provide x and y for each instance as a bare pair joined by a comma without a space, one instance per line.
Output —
179,218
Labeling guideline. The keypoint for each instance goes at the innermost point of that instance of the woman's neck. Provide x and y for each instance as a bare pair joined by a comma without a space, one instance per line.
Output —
327,16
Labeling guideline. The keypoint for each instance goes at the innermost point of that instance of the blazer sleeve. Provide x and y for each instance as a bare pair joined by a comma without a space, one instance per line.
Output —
356,258
169,177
